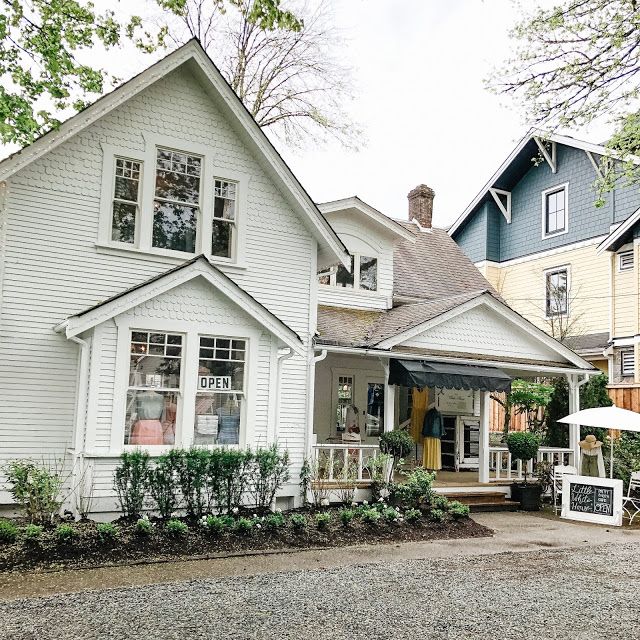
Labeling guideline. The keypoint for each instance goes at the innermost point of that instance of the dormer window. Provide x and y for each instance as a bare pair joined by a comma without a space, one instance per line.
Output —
363,275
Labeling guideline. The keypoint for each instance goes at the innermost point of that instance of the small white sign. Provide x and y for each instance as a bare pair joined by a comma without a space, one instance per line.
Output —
214,383
590,499
455,401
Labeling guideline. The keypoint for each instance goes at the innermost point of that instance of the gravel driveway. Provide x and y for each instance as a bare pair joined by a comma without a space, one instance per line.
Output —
588,593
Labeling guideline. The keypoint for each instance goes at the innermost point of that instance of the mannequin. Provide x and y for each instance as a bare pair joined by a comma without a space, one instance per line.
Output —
432,431
148,428
229,421
591,461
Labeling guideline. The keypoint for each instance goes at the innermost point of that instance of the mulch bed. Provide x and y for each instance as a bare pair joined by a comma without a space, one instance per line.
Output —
86,550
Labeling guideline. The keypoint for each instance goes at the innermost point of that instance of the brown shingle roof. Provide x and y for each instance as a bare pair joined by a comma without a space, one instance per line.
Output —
433,267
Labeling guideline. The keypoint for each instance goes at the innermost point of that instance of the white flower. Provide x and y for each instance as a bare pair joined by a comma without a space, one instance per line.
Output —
364,502
380,499
278,510
234,510
354,504
395,519
258,526
398,509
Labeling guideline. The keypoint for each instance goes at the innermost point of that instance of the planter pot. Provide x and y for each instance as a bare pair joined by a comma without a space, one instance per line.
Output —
528,495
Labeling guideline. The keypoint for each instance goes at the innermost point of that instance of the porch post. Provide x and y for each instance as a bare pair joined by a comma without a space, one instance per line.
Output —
389,399
483,453
574,429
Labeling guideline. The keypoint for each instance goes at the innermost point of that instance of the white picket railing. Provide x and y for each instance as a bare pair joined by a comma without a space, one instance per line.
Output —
502,467
337,456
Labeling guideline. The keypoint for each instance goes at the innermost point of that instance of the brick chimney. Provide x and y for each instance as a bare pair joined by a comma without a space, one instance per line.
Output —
421,205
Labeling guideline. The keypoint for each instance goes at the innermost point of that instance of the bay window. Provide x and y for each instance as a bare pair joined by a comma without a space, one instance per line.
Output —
153,393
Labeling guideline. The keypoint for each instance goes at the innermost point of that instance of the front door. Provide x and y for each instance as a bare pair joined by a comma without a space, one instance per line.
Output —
448,443
469,442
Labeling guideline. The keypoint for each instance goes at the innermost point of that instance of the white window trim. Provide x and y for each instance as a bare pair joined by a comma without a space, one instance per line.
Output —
356,277
185,418
557,187
144,222
619,260
564,267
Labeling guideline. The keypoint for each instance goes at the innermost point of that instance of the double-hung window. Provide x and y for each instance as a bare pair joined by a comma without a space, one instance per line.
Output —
221,387
126,199
153,393
554,211
177,200
224,218
557,292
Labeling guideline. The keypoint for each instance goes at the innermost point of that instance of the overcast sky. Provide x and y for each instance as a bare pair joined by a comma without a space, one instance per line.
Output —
427,118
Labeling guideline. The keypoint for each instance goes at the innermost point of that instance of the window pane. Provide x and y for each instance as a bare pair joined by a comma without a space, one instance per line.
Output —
231,373
221,237
326,279
178,176
150,417
217,418
368,273
557,293
374,421
126,189
224,200
555,219
343,277
174,226
123,223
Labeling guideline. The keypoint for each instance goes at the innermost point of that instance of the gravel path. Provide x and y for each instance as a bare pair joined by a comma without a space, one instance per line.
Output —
582,594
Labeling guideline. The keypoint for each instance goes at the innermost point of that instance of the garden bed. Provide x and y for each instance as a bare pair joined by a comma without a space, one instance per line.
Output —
87,549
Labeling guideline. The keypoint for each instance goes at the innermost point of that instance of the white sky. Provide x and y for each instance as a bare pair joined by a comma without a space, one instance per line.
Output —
421,103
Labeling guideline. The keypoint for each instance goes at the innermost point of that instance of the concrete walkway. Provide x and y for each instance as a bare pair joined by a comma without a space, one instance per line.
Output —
514,532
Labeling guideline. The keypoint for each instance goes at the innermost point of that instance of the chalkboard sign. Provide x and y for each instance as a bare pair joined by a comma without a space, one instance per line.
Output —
592,499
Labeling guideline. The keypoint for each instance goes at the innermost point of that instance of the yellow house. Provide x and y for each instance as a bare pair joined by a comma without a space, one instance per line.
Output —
569,266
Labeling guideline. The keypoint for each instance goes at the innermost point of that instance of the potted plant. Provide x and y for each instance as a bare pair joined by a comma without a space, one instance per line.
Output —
524,445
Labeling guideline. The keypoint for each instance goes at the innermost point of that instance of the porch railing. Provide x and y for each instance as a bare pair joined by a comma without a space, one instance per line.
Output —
502,467
335,460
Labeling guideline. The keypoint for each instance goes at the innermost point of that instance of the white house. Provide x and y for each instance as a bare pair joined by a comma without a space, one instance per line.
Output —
166,281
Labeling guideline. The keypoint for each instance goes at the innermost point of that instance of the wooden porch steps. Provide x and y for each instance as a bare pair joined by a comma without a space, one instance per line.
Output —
482,501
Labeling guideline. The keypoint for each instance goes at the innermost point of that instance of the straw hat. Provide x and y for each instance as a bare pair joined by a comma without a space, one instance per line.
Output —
590,442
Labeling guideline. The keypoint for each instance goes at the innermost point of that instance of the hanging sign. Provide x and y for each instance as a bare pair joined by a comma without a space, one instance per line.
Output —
214,383
592,499
456,401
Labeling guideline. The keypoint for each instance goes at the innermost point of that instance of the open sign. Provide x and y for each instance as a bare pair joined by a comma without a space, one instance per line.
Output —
214,383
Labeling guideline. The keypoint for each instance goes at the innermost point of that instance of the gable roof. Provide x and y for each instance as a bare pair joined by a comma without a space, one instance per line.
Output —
207,73
433,266
518,162
620,235
345,205
200,266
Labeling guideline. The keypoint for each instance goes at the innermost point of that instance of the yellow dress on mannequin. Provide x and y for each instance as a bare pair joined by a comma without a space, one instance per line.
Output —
433,430
419,401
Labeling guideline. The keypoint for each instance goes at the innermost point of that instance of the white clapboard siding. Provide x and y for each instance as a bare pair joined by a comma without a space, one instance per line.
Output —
53,269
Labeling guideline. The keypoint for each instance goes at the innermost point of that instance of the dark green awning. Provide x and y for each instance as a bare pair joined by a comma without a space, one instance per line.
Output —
420,373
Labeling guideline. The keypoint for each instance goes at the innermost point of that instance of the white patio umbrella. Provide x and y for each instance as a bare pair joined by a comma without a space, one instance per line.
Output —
606,418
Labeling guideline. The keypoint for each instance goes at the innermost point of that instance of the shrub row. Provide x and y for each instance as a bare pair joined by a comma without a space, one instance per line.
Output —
200,481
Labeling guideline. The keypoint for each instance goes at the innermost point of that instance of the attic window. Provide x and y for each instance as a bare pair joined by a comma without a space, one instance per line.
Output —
363,275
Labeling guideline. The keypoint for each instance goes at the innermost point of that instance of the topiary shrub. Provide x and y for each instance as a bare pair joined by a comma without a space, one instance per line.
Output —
523,445
398,444
8,531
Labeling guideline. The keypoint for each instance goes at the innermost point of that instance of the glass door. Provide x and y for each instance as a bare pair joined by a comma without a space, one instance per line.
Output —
374,414
469,441
448,443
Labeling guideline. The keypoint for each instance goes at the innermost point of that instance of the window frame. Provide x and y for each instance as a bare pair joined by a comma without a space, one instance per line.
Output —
549,272
115,199
356,257
547,192
210,171
628,351
185,415
625,253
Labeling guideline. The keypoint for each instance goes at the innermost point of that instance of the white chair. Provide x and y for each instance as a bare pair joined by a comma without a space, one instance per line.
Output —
631,502
558,472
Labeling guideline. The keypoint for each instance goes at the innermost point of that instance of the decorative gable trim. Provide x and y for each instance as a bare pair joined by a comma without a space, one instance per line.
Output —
198,267
504,206
608,244
376,216
190,52
500,308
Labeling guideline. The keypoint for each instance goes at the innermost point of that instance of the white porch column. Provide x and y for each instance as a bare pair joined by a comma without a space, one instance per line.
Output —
574,405
389,399
483,448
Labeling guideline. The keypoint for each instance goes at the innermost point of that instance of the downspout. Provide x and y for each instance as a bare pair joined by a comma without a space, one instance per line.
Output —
311,399
285,355
80,426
